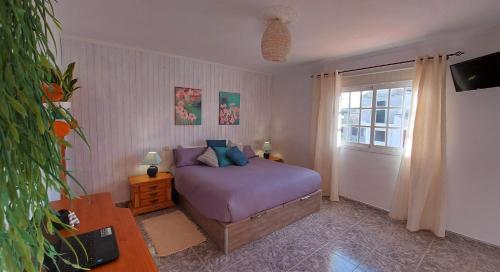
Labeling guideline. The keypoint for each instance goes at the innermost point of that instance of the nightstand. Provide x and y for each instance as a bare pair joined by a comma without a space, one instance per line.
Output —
275,158
150,194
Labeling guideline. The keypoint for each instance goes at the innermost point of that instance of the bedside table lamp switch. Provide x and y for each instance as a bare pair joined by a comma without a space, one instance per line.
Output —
267,149
152,159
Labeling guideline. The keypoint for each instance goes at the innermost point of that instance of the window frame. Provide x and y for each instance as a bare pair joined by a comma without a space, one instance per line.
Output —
374,87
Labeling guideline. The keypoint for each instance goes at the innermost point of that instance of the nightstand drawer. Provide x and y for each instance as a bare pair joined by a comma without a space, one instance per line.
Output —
149,194
153,201
154,194
153,186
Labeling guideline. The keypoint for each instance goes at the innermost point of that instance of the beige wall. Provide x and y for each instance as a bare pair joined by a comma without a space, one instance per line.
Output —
126,108
291,96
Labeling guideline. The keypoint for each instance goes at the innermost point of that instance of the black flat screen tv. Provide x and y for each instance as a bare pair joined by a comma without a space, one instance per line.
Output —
478,73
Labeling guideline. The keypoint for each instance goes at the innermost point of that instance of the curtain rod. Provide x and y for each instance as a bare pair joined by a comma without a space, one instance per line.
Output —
458,53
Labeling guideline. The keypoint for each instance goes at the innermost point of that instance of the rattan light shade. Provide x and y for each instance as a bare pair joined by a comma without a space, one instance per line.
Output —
276,41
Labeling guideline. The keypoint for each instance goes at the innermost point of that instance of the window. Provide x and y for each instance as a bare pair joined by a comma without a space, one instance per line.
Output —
375,116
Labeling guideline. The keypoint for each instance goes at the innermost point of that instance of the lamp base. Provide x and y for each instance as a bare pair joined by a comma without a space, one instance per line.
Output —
266,155
152,171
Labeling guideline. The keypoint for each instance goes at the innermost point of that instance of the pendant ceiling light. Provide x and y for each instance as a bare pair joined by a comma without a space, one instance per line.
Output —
276,40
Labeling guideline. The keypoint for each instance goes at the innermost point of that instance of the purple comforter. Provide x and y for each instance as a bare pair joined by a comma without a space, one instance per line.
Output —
233,193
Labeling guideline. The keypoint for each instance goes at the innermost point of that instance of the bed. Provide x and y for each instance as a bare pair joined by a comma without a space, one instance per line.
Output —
236,205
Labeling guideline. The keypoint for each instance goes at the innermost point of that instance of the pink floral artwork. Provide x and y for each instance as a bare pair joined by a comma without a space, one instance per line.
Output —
229,108
187,106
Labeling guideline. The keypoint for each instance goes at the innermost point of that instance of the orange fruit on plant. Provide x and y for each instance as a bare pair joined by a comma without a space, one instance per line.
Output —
61,128
53,91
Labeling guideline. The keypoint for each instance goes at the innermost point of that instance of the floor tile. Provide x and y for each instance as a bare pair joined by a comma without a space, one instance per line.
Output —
302,267
172,260
378,263
351,250
325,260
251,264
216,260
370,238
342,236
405,247
402,251
280,259
490,265
488,258
449,254
189,262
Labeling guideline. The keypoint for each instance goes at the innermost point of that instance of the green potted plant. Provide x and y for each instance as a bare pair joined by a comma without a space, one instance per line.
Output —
59,88
66,80
30,158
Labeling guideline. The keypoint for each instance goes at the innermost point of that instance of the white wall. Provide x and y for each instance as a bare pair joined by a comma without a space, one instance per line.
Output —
291,100
126,108
473,165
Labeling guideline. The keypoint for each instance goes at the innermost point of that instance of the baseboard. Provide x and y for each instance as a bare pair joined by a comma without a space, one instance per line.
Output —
364,204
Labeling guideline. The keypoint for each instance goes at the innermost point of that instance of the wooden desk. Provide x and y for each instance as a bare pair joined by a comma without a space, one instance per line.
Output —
97,211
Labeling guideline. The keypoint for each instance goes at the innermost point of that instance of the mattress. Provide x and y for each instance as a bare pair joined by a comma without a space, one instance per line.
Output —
233,193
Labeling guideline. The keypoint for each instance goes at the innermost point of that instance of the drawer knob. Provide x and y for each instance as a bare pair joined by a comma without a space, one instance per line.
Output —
153,187
153,201
153,194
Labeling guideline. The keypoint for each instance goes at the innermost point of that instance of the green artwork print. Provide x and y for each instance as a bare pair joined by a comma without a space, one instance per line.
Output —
187,106
229,108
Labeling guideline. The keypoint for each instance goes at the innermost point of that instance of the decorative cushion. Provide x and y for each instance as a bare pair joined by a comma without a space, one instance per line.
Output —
187,156
221,156
209,158
216,143
238,145
236,156
249,152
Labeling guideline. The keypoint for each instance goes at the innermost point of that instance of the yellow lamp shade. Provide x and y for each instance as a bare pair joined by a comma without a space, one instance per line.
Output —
276,41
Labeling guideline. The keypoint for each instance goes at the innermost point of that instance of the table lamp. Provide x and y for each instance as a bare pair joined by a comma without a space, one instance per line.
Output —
152,159
267,149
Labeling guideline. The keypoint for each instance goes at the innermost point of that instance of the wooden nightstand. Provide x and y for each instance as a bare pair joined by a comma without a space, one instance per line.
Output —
276,159
150,194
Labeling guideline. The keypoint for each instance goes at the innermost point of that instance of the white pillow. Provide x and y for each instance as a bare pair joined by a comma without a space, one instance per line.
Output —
238,145
209,158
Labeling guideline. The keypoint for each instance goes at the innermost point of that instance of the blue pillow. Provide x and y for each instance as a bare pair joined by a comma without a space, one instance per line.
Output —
221,156
236,156
216,143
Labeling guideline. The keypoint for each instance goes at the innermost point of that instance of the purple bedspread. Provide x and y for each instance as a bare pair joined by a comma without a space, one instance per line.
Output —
233,193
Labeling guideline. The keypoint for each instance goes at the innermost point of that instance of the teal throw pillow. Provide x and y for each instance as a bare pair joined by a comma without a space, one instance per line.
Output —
221,156
236,156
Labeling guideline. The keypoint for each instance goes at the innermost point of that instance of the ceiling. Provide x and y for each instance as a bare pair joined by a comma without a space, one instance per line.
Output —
229,31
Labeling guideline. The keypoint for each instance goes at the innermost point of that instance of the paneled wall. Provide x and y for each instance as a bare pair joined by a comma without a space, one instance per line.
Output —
126,108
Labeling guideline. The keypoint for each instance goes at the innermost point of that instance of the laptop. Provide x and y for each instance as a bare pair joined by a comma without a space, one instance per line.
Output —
100,245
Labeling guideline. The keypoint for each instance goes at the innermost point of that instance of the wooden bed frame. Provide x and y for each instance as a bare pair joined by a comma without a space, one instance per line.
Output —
230,236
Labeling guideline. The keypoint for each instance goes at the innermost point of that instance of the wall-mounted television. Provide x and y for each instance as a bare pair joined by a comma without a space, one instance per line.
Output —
478,73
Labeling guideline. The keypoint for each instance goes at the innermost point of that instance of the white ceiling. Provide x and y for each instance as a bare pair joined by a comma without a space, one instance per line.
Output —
229,31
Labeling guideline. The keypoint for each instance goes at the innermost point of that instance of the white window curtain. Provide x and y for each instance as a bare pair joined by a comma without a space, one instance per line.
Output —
325,131
419,196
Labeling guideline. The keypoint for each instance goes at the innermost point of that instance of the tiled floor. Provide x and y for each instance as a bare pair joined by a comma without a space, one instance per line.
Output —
343,236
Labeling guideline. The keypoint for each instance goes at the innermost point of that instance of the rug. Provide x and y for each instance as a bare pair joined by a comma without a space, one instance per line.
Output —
172,232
